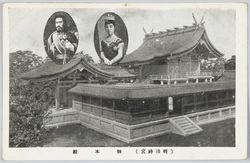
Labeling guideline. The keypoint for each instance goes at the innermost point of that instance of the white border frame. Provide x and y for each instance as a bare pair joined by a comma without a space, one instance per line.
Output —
197,153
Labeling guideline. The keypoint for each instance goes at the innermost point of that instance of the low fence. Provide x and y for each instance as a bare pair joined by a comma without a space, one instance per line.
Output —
133,133
210,116
182,78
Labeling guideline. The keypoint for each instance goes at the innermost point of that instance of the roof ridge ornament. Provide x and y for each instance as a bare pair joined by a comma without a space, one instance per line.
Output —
195,22
198,25
174,31
144,30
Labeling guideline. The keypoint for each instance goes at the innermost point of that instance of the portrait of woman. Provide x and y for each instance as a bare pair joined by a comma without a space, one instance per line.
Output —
113,43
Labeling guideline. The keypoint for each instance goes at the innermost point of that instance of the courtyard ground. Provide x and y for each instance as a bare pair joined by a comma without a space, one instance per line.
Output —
220,134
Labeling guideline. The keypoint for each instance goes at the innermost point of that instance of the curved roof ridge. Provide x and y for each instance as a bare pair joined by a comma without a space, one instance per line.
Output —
169,32
49,69
95,69
165,45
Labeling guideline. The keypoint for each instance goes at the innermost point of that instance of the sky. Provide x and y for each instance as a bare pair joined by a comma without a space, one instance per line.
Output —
26,26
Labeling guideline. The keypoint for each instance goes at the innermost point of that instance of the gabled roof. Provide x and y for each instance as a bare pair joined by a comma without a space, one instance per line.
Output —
170,43
50,70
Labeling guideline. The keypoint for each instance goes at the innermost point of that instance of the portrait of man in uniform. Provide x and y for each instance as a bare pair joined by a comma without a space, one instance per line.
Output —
61,44
110,39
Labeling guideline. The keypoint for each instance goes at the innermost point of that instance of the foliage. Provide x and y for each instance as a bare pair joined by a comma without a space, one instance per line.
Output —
29,101
230,64
213,65
86,56
22,61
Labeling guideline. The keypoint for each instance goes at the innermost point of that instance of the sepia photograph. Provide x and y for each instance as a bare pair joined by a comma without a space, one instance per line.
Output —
125,79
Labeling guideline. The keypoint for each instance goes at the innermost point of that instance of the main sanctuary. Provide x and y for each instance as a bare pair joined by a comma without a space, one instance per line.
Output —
157,89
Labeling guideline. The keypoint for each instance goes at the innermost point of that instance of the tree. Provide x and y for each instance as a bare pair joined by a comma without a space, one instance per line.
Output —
22,61
29,101
213,64
219,63
230,64
87,57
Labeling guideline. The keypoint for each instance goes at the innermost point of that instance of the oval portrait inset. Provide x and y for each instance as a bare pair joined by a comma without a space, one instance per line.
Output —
110,38
60,37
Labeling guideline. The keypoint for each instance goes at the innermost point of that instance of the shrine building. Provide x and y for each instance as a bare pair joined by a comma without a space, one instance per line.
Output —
157,89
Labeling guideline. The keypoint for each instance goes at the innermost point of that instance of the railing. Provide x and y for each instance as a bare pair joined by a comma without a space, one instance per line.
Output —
212,115
182,77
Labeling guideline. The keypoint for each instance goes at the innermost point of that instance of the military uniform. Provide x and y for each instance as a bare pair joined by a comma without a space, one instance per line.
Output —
57,46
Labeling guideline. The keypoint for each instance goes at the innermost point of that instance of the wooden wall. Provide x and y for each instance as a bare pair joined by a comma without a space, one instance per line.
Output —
174,68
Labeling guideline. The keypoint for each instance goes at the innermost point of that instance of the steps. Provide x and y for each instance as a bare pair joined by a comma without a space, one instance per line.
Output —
184,126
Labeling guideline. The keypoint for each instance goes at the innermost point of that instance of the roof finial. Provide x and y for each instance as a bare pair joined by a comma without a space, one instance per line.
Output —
144,30
200,24
152,31
201,20
194,19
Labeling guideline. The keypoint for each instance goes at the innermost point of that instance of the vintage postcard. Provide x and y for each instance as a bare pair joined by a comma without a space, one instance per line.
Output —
103,81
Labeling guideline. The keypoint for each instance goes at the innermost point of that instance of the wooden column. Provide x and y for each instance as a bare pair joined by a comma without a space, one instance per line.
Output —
140,74
100,101
206,100
90,102
74,78
195,103
199,66
130,111
57,96
227,97
81,101
169,82
167,107
113,104
217,100
150,108
190,65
